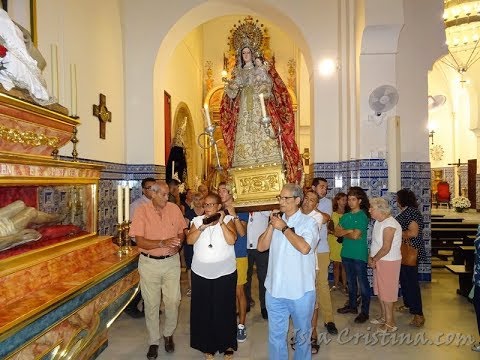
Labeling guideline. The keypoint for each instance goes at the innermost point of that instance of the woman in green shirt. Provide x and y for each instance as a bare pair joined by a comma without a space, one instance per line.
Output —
353,227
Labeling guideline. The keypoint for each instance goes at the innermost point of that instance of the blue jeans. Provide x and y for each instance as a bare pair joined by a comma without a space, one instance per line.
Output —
279,312
357,269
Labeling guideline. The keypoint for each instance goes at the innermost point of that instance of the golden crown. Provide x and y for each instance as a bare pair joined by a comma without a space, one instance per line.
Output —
247,34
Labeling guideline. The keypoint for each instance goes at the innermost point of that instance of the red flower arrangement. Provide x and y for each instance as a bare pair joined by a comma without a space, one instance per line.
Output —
3,51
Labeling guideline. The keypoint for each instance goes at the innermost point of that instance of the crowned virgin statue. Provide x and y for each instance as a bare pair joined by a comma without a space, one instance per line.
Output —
255,136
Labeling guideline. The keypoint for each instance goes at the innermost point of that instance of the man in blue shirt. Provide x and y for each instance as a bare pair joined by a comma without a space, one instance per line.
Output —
290,283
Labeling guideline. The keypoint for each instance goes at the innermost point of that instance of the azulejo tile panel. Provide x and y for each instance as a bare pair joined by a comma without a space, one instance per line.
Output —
372,176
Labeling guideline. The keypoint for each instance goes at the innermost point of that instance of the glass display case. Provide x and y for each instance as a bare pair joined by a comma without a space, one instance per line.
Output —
39,215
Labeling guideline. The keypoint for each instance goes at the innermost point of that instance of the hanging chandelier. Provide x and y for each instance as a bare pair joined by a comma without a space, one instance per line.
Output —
462,30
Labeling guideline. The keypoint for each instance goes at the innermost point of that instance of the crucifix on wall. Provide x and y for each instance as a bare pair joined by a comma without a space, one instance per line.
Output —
458,164
103,114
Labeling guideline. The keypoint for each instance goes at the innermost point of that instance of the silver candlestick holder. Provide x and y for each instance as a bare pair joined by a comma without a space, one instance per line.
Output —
210,143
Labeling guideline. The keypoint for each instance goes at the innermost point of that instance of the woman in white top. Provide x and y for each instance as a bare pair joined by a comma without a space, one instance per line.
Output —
385,260
213,323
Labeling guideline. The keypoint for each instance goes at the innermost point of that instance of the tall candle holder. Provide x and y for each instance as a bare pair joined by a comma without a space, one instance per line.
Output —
127,247
209,131
120,239
123,240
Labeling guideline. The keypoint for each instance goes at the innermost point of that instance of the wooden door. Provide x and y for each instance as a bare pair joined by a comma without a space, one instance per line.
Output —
167,115
472,176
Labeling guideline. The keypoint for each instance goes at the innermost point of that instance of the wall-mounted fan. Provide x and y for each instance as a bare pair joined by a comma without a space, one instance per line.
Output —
434,102
383,99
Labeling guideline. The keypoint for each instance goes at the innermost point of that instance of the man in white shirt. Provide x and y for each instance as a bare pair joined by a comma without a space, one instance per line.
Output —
290,283
324,207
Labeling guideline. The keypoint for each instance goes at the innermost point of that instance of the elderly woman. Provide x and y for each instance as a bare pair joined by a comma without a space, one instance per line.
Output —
385,259
213,323
411,220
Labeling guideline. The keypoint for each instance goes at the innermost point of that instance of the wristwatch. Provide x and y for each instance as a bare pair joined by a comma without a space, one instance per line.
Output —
285,228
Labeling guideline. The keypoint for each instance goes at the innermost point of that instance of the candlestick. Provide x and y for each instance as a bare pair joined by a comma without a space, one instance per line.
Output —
262,104
207,115
127,204
120,203
73,88
173,168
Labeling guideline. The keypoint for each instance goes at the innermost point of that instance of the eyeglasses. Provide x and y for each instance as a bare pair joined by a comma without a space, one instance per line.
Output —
284,198
209,205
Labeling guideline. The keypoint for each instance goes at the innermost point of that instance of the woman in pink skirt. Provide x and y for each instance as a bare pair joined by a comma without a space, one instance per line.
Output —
385,260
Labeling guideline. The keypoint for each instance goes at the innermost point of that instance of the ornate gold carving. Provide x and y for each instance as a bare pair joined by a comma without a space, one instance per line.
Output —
209,72
292,74
28,137
257,185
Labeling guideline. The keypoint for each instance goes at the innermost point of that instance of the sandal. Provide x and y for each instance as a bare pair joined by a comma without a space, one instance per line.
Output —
209,356
315,346
418,321
402,308
385,328
378,321
228,354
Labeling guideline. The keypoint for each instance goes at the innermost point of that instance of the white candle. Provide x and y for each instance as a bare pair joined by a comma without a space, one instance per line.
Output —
120,203
73,88
54,65
127,203
207,115
173,168
262,104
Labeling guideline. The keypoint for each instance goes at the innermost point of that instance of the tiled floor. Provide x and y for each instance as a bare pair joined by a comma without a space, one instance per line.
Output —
447,314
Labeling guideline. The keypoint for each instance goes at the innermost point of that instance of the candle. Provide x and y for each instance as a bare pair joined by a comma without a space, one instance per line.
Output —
120,203
127,203
262,103
207,115
173,168
54,65
73,88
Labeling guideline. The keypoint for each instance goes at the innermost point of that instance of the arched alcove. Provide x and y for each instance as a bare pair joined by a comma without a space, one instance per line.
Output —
184,133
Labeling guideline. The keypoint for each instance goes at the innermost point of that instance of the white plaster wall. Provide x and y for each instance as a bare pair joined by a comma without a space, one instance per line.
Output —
183,82
399,45
420,45
88,34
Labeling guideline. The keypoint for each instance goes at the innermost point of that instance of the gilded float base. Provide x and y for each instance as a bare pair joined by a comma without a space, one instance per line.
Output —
257,185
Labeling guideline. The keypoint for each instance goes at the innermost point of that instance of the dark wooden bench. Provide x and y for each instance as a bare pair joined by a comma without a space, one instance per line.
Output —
464,278
454,225
444,219
450,239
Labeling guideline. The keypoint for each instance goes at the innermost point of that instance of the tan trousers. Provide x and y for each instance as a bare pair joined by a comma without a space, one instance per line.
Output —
157,278
323,289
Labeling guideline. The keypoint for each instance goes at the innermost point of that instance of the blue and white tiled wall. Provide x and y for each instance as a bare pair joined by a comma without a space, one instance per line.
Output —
372,176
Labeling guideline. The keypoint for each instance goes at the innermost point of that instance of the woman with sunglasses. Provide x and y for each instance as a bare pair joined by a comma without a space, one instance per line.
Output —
213,323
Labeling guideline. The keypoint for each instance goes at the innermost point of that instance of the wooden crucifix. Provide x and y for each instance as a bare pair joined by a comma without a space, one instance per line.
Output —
103,114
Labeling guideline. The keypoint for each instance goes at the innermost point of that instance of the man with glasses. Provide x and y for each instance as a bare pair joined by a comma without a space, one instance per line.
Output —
291,238
135,307
158,227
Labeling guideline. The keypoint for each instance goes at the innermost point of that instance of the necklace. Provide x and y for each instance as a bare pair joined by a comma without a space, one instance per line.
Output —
210,232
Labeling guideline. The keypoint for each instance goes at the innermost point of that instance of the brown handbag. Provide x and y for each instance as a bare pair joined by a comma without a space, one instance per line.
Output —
409,253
